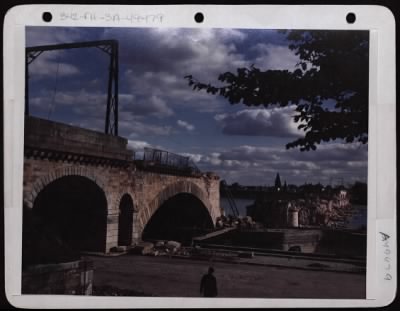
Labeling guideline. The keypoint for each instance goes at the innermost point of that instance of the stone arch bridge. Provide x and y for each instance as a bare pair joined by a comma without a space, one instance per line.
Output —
87,185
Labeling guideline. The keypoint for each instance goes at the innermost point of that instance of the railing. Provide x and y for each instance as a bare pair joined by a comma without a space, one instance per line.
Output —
164,160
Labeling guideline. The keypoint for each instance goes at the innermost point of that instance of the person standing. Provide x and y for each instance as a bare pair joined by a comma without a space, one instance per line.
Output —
208,284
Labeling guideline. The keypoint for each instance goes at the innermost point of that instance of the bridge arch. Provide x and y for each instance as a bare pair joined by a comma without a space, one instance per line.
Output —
178,192
122,194
42,182
74,209
172,190
125,219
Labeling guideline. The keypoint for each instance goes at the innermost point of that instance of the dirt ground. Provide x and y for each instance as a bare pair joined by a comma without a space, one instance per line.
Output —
173,277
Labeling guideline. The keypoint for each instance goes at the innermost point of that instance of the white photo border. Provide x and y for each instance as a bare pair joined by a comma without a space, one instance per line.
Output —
381,254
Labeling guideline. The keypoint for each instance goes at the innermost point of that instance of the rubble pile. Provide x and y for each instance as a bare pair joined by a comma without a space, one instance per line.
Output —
321,213
303,212
235,222
143,248
159,248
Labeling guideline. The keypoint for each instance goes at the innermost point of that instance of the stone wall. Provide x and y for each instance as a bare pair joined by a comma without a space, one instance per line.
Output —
323,241
59,137
72,278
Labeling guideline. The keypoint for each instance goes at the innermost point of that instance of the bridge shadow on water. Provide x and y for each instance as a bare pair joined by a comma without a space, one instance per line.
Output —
180,218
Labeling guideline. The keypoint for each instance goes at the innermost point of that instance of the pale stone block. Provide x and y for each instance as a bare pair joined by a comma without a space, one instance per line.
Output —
113,226
112,219
112,232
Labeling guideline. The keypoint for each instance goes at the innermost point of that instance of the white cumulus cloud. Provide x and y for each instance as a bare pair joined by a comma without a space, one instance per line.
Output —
187,126
276,122
275,57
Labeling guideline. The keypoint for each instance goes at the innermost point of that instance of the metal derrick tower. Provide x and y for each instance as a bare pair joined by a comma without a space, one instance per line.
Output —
109,47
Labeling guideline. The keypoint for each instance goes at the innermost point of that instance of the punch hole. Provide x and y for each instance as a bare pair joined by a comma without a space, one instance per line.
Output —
199,17
47,17
351,18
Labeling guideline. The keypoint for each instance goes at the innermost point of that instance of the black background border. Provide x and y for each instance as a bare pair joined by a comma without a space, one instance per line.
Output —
393,5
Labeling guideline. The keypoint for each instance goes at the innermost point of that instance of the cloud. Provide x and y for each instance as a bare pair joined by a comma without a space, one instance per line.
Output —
177,49
187,126
276,122
172,89
155,61
88,109
134,128
138,144
341,153
336,153
81,102
48,35
250,153
211,159
257,165
275,57
51,64
139,106
195,157
357,164
80,108
155,101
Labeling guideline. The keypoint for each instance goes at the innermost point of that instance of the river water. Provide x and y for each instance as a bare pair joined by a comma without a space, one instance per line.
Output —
240,204
357,219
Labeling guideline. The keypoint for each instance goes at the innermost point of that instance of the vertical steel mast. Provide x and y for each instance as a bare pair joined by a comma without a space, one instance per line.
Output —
109,47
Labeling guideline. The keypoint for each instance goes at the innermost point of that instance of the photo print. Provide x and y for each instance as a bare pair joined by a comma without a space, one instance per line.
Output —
207,162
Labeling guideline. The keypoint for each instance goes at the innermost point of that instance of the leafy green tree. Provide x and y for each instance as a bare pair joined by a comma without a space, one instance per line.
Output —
333,68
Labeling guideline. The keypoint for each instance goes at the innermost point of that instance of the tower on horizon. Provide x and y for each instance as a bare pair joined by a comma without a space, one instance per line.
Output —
278,184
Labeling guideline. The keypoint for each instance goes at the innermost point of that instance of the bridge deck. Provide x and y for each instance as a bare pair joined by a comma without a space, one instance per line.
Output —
51,138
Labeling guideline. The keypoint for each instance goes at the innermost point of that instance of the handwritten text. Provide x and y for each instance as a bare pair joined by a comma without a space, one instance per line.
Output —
112,17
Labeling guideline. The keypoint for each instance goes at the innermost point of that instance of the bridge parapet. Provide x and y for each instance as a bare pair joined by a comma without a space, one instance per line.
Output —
45,135
165,162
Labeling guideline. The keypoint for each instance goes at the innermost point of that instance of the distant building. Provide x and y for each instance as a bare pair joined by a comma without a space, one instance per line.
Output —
278,184
282,210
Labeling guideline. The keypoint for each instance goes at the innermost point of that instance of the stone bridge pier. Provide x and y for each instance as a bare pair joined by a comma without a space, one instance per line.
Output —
85,187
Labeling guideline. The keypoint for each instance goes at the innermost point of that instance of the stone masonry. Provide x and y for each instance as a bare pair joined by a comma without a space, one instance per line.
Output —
53,150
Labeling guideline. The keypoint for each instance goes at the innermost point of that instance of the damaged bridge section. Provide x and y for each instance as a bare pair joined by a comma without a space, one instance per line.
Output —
86,188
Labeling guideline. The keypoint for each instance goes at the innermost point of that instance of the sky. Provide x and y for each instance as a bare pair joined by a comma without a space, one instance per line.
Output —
158,109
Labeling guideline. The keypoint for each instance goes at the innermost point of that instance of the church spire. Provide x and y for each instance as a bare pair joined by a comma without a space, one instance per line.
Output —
278,184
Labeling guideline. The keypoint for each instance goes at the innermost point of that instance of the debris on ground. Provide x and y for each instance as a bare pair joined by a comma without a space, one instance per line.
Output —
143,248
233,221
118,249
158,248
168,247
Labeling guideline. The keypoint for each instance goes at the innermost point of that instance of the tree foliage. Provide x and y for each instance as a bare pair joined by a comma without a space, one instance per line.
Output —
333,68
